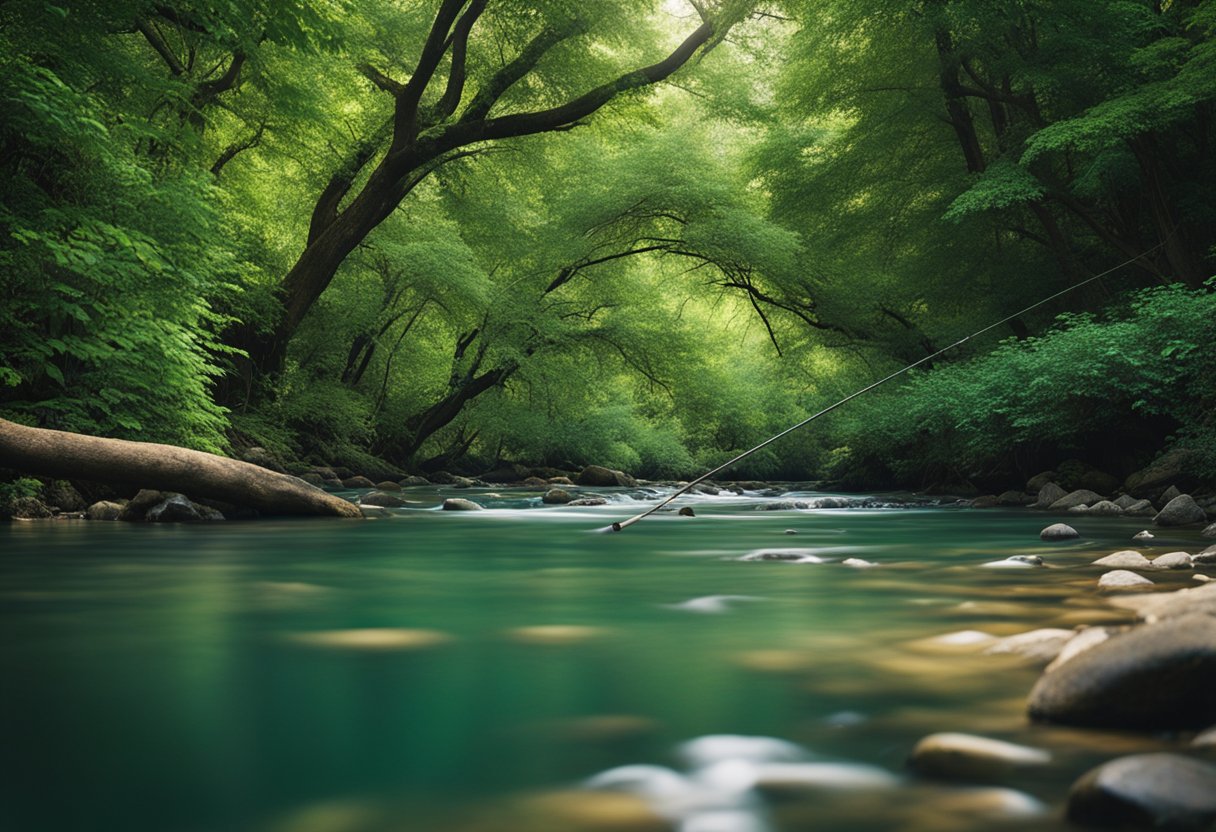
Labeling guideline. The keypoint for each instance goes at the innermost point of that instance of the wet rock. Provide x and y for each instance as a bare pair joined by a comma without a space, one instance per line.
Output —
1039,646
463,482
1161,791
373,639
790,531
969,759
598,475
1086,639
104,510
1180,511
1125,500
138,506
1166,605
1059,531
557,496
986,501
1014,562
27,508
536,482
1143,536
792,555
1014,498
413,480
1205,739
588,501
686,511
1140,508
1210,531
1173,560
1036,483
357,482
1105,508
1048,494
560,481
1167,495
63,495
1158,676
1124,560
1208,555
382,499
460,504
1080,497
1121,580
858,563
785,505
388,485
179,509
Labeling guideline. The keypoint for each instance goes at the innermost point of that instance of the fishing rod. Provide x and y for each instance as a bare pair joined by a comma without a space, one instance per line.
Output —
624,524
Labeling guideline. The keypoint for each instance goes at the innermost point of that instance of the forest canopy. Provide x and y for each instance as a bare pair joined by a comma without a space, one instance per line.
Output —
449,234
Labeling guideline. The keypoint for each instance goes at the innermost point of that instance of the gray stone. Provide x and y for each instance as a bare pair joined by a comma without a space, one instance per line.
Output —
1125,501
460,504
1158,791
1105,508
1059,531
985,501
557,496
1014,498
388,485
1208,555
1180,511
967,758
382,499
1210,531
357,482
1080,497
536,482
1036,483
785,505
1140,508
143,502
1143,536
413,480
1171,467
104,510
1173,560
1126,559
1039,646
598,475
1087,638
588,501
178,509
560,481
1158,676
1121,580
1048,494
1167,495
1165,605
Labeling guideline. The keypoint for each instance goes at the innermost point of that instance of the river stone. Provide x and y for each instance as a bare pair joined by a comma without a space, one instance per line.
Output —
1208,555
1036,483
1160,791
1205,739
1086,639
460,504
1158,676
63,495
598,475
1143,536
1048,494
557,496
1040,646
1166,605
1121,580
313,478
1014,498
1059,531
104,510
1080,497
793,555
1180,511
382,499
858,563
535,482
357,482
985,501
1014,562
1173,560
785,505
1167,495
373,639
508,472
1140,508
27,508
1171,467
138,506
1210,531
1124,560
588,501
1125,500
173,509
263,459
1105,508
413,480
968,758
388,485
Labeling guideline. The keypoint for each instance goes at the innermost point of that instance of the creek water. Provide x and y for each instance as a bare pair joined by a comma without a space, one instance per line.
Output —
180,678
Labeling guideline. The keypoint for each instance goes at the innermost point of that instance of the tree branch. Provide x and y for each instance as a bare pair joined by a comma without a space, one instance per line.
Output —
406,116
458,73
158,43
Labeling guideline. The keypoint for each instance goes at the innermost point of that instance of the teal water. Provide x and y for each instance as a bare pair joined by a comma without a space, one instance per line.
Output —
167,678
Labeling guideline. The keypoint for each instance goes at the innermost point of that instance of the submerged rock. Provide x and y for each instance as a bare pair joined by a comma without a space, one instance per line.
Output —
792,555
1180,511
1158,676
460,504
858,563
1014,562
1059,531
785,505
968,758
1165,791
373,639
588,501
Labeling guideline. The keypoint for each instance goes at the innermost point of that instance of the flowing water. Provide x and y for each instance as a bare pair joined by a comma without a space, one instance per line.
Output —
467,671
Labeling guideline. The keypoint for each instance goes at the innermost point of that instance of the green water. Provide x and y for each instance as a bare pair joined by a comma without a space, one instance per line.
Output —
155,678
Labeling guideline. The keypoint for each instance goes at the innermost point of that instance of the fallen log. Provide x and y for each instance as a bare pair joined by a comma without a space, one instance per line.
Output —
55,453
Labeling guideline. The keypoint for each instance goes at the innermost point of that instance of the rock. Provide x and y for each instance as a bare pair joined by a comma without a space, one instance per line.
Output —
968,758
1167,605
588,501
1167,495
263,459
1014,498
444,478
1180,511
1205,739
793,555
382,499
1121,580
1124,560
144,501
1039,646
1088,638
1140,508
1036,483
1210,531
686,511
1080,497
63,495
313,478
560,481
179,509
1171,467
342,472
1143,536
536,482
1173,560
27,508
597,475
557,496
1105,508
1125,500
104,510
1158,676
790,531
986,501
1014,562
324,472
858,563
1059,531
357,482
785,505
1048,494
413,480
460,504
1159,791
1074,473
463,482
1208,555
388,485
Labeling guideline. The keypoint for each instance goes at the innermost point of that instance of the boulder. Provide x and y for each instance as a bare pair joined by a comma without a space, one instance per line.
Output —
1080,497
1180,511
263,459
104,510
27,508
1036,483
1105,508
178,509
1155,677
139,505
1125,501
1126,559
357,482
1014,498
342,472
460,504
1208,555
324,472
1074,474
1087,638
785,505
1121,580
63,495
388,485
967,758
1167,495
588,501
557,496
1146,791
1140,508
444,478
413,480
1048,494
1173,560
536,482
1173,467
597,475
985,501
463,482
383,499
1059,531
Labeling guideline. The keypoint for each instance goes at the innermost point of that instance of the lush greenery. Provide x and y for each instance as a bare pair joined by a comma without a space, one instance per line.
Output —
640,233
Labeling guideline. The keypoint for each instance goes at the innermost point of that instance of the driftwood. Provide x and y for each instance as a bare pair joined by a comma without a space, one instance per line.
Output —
55,453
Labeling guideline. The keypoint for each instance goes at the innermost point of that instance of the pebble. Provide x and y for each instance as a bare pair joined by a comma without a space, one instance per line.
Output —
1121,581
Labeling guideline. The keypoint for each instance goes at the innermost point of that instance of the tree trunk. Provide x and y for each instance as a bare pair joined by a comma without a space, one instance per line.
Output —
56,453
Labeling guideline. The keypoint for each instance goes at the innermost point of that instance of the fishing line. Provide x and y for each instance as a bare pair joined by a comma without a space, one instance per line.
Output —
623,524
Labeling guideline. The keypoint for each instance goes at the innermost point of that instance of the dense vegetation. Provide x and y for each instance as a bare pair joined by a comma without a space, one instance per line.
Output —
447,233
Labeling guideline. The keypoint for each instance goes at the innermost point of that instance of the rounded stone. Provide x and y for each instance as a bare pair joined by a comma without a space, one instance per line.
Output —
1164,791
1121,580
557,496
357,482
1181,511
1142,536
1080,497
1173,560
1059,531
105,510
460,504
969,758
382,499
1126,559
